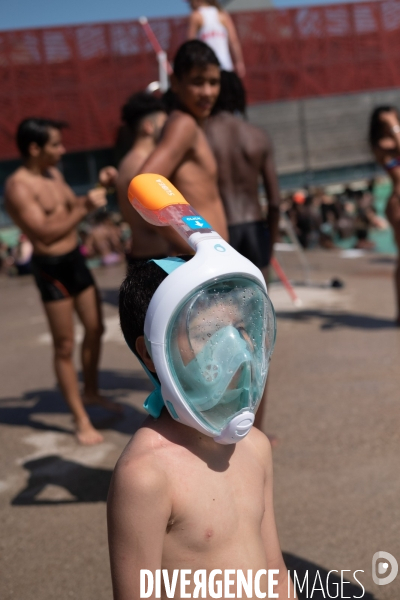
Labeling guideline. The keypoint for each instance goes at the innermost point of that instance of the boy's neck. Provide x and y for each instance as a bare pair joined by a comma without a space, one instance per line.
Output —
205,447
144,144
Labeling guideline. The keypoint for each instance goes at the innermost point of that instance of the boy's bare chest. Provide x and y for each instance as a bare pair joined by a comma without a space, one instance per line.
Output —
211,507
199,167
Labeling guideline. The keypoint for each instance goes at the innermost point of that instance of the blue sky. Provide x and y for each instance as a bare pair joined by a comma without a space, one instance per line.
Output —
17,14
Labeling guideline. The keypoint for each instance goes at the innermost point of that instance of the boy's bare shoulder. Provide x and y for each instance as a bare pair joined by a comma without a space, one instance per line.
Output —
261,446
143,460
182,124
140,483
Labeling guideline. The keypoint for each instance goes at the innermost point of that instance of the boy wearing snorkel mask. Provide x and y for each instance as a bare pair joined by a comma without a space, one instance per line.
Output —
184,495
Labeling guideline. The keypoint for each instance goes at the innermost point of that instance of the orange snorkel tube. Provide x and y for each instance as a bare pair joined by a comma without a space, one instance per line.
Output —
160,203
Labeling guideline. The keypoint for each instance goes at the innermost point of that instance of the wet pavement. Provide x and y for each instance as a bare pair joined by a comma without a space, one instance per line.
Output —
334,404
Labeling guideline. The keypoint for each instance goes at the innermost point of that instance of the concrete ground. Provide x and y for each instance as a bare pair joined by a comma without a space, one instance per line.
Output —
334,404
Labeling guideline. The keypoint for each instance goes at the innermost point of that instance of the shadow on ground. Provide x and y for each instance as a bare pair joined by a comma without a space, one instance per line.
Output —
384,260
26,410
317,585
337,320
71,482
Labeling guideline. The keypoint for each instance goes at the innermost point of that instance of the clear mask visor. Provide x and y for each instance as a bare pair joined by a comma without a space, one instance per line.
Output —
220,342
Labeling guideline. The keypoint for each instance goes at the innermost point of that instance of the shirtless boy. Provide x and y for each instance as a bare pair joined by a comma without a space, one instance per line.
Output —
183,154
48,212
180,500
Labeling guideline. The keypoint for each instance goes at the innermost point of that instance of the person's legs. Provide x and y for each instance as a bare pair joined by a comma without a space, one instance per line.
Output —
60,316
88,307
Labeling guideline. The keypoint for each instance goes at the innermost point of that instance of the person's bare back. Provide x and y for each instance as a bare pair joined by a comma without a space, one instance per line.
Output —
241,151
145,116
146,239
200,505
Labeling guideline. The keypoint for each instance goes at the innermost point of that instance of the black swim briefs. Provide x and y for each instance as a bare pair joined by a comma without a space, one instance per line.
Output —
252,240
62,276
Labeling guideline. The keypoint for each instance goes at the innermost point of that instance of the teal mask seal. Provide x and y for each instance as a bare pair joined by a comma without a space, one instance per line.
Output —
154,403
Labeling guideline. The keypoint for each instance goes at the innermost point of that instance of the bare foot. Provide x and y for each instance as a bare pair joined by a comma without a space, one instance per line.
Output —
97,400
87,435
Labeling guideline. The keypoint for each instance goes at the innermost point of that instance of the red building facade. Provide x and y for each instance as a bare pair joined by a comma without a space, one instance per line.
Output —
83,74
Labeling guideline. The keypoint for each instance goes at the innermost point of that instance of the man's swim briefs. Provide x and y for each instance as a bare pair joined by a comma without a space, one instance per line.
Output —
62,276
252,240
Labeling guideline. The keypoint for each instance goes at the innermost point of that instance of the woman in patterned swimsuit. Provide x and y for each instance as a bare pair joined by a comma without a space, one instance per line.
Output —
384,137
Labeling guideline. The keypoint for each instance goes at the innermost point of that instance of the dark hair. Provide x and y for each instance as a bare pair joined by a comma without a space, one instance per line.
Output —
35,130
139,106
123,143
232,97
136,291
171,101
376,127
193,53
214,3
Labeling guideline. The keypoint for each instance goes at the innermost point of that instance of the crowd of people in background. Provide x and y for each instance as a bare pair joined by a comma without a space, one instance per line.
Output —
323,219
320,218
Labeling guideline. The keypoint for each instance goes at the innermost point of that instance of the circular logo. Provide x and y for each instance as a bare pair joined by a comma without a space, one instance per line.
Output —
382,568
219,248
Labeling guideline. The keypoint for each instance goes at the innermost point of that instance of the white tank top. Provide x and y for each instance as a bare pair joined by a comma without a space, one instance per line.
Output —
215,35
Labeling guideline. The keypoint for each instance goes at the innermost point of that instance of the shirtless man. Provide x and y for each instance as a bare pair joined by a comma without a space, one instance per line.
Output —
244,156
183,154
48,212
180,500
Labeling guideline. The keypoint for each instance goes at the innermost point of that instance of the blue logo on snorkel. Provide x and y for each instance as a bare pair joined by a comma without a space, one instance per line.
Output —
196,223
219,248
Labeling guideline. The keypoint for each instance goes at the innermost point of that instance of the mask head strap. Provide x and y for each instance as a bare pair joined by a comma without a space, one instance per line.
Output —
155,403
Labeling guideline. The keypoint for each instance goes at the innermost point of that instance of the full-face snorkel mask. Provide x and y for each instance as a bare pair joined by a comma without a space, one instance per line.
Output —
210,327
